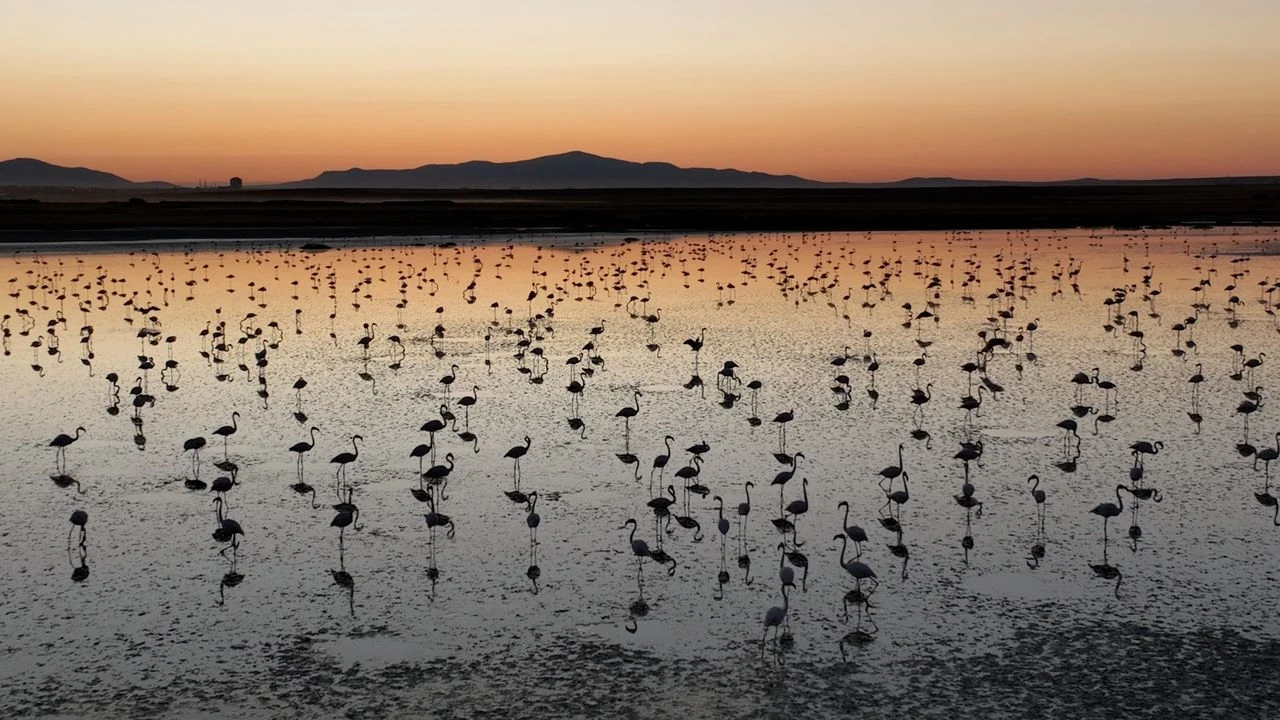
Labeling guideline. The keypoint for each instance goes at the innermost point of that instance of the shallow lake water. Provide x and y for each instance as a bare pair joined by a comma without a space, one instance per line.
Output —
979,607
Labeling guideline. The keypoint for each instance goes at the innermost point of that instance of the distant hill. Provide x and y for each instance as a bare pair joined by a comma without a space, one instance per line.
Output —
29,172
571,170
584,170
567,170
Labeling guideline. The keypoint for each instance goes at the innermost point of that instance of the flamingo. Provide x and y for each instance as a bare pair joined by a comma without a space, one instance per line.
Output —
692,470
1267,455
61,442
435,519
898,497
796,508
193,446
744,508
420,451
660,461
515,454
1038,495
640,549
1147,448
448,380
723,523
304,447
467,401
893,471
226,431
437,473
782,419
1109,510
629,412
533,519
855,532
857,569
227,529
78,520
783,477
775,616
342,459
346,518
660,504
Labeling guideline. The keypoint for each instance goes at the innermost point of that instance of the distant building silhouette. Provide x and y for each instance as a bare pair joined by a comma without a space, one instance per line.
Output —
236,183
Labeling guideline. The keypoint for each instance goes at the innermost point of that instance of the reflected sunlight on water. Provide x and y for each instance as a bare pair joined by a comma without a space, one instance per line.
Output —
431,587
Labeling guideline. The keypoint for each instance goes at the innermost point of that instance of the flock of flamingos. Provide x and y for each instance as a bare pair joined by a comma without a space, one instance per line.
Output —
51,292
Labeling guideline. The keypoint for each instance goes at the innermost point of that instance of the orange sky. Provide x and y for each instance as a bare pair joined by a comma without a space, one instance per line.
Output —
829,89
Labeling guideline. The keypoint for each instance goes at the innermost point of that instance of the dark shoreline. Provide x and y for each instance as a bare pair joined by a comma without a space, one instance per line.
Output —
160,215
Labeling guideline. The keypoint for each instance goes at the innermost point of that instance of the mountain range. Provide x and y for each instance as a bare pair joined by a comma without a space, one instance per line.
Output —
575,169
567,170
29,172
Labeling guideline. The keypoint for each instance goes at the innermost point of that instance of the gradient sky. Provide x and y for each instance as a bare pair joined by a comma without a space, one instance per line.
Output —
830,89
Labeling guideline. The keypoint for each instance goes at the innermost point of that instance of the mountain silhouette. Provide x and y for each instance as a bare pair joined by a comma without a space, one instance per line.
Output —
583,170
32,172
567,170
571,170
29,172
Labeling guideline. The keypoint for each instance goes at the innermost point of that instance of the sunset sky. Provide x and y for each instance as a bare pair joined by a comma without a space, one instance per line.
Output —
830,89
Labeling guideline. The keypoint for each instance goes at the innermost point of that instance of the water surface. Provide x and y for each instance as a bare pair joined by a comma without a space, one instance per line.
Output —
985,609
